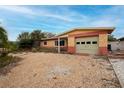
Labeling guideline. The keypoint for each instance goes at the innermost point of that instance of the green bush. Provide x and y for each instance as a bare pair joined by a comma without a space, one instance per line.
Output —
4,54
25,44
13,46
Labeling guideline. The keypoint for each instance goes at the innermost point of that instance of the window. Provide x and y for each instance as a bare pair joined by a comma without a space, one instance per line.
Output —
45,43
78,42
94,42
56,43
82,42
88,42
62,43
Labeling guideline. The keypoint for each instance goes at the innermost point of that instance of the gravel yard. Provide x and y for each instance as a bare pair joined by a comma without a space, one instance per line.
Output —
59,70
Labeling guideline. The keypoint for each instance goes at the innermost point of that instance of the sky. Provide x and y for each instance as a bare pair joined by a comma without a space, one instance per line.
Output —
58,19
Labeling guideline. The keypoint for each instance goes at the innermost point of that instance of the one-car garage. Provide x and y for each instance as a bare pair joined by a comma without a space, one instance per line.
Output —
91,40
87,45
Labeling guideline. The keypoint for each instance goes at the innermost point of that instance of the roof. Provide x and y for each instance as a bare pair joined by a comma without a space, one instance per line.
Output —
108,29
52,38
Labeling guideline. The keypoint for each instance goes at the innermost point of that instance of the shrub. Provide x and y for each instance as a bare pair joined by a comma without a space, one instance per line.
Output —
4,54
25,44
5,60
13,46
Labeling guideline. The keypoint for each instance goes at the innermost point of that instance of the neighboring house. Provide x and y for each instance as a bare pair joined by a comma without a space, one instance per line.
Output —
116,45
81,40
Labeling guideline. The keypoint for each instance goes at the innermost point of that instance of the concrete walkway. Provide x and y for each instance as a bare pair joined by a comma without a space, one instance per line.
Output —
118,65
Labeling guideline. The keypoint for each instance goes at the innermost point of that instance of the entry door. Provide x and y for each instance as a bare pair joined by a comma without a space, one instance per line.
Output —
87,45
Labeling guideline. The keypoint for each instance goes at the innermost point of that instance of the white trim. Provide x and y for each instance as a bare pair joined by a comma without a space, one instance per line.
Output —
58,45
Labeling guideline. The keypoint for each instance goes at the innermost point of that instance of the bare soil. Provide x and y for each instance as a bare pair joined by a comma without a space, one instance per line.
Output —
47,70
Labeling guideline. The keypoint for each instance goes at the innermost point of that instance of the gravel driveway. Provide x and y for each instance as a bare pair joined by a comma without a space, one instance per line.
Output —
118,65
60,70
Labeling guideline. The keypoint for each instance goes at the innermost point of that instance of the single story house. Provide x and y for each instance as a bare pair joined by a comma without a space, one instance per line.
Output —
116,45
92,40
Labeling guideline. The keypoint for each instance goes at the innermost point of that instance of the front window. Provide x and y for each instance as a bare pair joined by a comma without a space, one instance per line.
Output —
56,43
45,43
62,43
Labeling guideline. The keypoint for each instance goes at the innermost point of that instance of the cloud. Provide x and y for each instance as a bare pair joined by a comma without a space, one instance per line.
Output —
34,12
105,22
56,18
72,15
18,9
64,13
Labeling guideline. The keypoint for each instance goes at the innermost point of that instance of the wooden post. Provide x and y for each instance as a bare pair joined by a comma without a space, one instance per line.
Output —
58,45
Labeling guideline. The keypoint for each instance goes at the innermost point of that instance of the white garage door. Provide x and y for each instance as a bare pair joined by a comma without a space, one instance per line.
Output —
87,45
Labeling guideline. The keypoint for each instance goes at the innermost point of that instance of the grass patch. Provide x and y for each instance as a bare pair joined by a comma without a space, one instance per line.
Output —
7,63
6,60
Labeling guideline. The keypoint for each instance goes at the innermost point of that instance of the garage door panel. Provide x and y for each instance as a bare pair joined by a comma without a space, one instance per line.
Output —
95,51
90,46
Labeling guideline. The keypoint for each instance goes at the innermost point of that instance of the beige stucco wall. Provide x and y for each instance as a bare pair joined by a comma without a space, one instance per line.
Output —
50,43
71,41
103,40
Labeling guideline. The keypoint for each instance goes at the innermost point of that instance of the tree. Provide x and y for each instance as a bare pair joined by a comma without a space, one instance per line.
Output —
37,35
13,45
48,34
24,40
111,38
23,36
25,44
29,40
3,42
3,38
